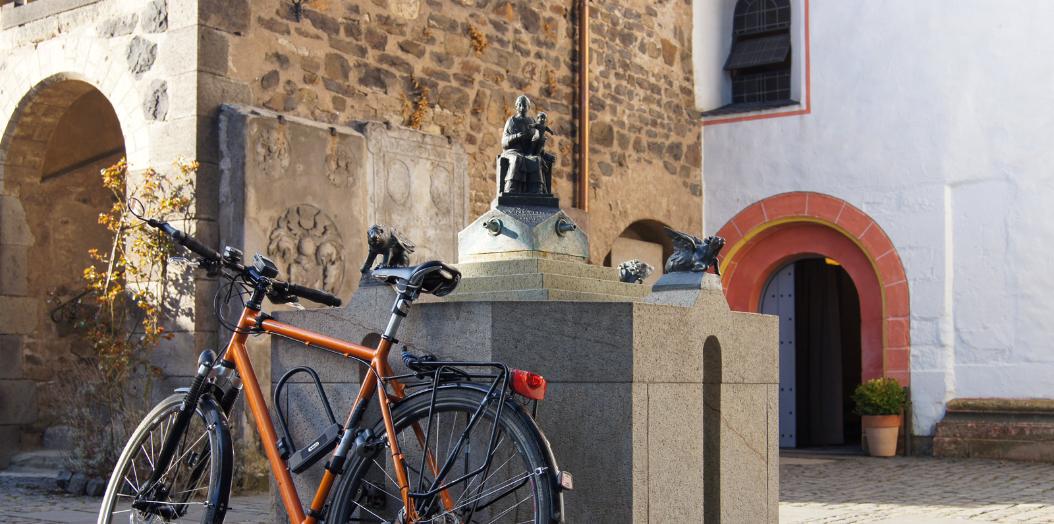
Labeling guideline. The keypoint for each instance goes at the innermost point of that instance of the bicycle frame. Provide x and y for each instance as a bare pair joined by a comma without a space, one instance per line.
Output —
253,319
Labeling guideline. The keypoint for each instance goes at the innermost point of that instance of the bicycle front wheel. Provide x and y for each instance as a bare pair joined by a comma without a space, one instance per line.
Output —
195,485
503,465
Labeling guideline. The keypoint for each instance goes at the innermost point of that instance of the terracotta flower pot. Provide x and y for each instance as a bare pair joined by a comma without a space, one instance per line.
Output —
881,431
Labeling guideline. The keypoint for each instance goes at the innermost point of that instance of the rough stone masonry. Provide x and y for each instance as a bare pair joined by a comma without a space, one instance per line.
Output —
454,68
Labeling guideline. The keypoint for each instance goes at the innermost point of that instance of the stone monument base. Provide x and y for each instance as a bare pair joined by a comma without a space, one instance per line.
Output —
664,410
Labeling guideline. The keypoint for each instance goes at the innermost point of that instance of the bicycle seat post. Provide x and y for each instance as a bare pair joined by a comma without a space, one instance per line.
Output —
399,311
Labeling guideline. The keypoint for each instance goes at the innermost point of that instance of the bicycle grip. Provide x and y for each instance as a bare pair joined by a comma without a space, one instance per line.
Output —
192,244
185,240
313,295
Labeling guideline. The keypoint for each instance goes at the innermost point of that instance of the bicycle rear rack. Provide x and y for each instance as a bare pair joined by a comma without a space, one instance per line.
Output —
299,460
444,372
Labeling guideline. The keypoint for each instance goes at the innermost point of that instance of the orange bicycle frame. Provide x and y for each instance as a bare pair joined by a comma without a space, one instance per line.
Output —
378,360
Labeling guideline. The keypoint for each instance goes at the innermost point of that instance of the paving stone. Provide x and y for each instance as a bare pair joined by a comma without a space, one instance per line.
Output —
31,506
900,489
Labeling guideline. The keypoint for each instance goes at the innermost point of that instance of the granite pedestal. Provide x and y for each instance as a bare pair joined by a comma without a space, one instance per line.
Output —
664,406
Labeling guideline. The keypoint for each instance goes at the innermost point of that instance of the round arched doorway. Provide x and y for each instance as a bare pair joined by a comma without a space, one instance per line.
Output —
778,231
62,133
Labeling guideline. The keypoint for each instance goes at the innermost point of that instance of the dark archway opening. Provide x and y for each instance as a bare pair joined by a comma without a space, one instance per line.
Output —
820,353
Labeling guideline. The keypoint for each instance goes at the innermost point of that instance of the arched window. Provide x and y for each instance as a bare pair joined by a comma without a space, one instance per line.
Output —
760,60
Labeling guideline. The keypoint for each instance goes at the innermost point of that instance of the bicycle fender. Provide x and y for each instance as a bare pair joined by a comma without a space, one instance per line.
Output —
217,421
547,450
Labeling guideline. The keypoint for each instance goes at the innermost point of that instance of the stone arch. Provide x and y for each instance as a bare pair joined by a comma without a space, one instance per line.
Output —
61,132
30,70
779,229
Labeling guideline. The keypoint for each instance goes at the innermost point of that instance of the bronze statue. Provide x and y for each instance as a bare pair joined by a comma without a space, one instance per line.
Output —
692,254
634,271
385,241
524,167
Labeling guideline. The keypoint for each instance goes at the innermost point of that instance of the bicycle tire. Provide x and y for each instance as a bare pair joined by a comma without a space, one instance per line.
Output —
210,422
514,423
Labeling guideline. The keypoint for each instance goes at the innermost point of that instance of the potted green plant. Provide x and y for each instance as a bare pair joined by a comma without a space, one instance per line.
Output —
879,402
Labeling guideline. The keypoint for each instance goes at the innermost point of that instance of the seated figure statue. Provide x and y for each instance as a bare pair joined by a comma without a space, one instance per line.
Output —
523,166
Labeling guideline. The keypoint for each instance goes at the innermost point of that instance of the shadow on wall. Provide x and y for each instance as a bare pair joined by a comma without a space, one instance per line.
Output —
712,429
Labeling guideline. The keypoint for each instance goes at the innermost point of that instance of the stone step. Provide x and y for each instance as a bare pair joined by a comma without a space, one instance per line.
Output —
532,295
39,479
40,460
550,281
536,265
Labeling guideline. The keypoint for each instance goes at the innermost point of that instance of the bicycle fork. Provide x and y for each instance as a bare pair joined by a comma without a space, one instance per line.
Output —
154,490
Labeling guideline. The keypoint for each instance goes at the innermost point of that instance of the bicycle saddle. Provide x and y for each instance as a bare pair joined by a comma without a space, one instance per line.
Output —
432,277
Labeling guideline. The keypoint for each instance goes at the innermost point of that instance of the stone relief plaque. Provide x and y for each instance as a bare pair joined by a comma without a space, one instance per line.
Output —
419,185
308,248
295,191
304,193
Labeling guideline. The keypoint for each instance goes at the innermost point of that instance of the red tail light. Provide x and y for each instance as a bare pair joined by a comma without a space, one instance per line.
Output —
530,385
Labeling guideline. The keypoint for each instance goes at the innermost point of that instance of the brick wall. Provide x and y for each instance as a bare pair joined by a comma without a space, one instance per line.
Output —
463,62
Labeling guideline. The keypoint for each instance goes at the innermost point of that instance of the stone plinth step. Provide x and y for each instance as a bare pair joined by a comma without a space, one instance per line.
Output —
531,295
520,266
551,281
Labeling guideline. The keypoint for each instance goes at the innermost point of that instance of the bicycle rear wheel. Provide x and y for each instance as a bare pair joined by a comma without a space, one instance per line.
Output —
513,486
195,486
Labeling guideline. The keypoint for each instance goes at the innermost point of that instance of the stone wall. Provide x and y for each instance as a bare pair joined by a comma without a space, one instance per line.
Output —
453,68
79,86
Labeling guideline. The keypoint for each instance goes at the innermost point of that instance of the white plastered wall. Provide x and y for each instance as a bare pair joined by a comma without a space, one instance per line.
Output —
936,122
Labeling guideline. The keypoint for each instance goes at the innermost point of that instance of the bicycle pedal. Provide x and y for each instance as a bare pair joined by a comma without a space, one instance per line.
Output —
313,452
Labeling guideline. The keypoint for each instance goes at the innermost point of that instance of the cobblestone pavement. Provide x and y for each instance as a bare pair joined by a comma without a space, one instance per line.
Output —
907,490
823,489
33,507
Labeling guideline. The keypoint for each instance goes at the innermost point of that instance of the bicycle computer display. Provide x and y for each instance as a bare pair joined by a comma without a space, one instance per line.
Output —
265,266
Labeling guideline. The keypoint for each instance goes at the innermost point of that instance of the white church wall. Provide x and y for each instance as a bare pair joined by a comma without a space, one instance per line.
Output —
934,121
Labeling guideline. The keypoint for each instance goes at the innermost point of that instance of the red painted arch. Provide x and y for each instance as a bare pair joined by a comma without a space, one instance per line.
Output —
779,229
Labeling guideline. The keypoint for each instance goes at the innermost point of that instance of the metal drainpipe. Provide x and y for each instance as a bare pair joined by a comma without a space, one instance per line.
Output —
583,105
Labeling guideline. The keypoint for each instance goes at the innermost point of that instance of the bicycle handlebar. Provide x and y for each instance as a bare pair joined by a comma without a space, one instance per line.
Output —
214,257
186,240
314,295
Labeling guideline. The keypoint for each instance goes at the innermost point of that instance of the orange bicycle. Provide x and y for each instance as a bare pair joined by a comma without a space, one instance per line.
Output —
451,442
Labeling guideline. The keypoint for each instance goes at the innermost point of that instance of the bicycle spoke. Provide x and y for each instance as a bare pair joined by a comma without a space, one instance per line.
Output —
146,454
382,468
176,461
134,474
500,515
382,490
379,518
484,483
